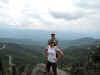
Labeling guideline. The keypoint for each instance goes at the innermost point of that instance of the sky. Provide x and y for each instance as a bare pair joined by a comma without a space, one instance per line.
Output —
56,15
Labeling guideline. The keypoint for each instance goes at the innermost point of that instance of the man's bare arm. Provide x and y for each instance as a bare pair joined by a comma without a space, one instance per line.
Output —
60,54
46,52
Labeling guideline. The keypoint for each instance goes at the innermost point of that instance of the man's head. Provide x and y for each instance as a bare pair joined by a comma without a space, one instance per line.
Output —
53,35
52,44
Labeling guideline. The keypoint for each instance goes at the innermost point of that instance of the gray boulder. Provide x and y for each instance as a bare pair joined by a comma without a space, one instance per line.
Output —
40,69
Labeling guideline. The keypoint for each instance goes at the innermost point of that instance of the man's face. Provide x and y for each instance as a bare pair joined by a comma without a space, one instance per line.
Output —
53,36
52,44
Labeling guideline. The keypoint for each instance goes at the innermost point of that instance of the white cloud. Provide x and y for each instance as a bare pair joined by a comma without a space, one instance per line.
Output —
65,15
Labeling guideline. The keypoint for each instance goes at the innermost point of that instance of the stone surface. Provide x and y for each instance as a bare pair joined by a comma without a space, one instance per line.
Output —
40,69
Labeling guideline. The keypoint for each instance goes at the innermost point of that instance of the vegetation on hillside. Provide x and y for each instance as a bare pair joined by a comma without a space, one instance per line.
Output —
78,56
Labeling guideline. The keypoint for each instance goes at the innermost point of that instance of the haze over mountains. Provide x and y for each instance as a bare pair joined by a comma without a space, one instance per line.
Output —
42,35
43,43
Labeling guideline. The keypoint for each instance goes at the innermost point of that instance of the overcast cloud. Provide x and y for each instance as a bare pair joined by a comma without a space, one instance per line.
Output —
63,15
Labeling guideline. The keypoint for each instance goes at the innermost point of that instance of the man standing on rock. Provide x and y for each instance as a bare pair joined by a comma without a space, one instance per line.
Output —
51,53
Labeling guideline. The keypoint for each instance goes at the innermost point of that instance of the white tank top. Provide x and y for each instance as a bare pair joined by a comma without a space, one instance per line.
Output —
52,54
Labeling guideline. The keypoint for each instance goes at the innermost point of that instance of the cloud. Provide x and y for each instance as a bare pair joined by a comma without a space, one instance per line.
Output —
4,17
89,4
59,15
68,16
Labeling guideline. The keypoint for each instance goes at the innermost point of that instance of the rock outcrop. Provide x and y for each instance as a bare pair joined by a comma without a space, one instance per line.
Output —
40,69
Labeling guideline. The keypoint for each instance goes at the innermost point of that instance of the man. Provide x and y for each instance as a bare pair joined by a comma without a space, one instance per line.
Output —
52,59
53,39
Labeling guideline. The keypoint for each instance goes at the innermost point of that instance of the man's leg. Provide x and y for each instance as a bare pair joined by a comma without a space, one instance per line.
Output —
54,68
48,66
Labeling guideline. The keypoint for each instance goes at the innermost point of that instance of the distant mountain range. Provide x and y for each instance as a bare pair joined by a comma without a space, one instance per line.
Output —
42,43
79,42
31,51
40,35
